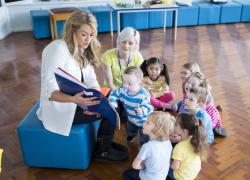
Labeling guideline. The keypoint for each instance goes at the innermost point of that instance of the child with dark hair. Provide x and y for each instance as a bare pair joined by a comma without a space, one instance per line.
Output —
191,150
156,80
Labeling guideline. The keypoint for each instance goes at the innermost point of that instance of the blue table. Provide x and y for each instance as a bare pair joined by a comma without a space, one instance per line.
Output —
141,8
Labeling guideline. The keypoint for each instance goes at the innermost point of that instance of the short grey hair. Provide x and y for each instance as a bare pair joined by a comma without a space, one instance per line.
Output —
127,33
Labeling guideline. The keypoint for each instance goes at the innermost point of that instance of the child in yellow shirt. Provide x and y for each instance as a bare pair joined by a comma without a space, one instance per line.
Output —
191,150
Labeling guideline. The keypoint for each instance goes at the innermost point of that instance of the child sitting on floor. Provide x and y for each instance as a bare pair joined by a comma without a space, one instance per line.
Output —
191,150
194,103
199,80
152,162
156,80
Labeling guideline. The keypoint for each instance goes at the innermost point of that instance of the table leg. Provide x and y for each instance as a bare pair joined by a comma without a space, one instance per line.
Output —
111,22
51,27
175,23
164,23
118,22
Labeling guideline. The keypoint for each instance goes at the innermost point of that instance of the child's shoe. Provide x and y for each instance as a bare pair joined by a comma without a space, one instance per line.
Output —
219,131
130,138
168,106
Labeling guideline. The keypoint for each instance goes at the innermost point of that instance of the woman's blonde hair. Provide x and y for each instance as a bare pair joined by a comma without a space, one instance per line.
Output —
75,21
164,124
125,34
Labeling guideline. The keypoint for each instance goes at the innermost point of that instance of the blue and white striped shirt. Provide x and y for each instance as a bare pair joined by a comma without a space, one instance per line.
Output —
130,102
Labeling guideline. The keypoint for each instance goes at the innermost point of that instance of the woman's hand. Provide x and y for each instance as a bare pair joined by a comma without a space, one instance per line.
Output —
85,101
92,114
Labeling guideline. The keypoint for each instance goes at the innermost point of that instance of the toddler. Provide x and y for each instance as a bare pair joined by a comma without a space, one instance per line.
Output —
153,159
188,69
191,150
136,101
199,80
156,81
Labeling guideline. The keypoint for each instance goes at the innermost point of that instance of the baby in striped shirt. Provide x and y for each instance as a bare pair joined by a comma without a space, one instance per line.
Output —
136,101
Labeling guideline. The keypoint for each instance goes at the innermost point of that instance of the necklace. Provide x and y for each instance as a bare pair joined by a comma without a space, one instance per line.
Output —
120,64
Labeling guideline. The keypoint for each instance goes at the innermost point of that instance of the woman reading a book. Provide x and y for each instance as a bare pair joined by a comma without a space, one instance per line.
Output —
76,53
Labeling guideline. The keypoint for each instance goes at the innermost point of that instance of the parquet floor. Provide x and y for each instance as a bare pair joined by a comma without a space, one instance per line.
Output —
223,52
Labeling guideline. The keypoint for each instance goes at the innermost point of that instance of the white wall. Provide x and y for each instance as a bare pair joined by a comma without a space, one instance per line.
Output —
16,15
4,22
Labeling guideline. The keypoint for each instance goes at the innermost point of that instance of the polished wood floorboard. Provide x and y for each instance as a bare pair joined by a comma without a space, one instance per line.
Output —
223,52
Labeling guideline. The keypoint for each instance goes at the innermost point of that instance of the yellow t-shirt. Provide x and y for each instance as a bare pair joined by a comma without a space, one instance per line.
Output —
190,163
110,59
1,152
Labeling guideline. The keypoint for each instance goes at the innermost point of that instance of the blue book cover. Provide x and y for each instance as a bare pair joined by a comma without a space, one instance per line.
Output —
70,85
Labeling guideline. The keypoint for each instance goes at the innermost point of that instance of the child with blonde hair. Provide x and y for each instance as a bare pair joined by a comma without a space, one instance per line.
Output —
196,98
191,150
199,80
153,159
156,80
188,69
135,100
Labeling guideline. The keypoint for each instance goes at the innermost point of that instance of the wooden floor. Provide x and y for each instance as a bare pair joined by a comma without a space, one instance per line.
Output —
223,52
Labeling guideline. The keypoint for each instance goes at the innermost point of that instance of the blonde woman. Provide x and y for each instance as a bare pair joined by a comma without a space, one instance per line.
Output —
118,59
76,53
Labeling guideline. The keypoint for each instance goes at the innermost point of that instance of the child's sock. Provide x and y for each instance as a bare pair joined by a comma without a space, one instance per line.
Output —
172,107
159,104
220,131
155,102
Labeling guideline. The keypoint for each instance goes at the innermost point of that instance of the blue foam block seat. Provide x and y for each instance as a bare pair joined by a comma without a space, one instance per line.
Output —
102,14
209,13
245,11
230,12
155,19
40,23
188,16
42,148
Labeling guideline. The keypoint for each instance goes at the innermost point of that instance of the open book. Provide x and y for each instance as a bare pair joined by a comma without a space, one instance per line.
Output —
70,85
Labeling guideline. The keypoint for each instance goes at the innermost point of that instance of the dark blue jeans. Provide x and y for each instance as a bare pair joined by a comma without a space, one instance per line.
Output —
132,130
106,127
131,174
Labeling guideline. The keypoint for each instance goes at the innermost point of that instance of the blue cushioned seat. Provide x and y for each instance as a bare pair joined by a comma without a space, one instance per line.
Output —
102,14
230,12
209,13
40,23
188,15
42,148
245,11
155,19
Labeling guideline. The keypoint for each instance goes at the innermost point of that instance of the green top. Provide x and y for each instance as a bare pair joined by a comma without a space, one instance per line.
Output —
110,59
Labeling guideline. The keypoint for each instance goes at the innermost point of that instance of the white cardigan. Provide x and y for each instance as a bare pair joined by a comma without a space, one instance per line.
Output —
56,116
